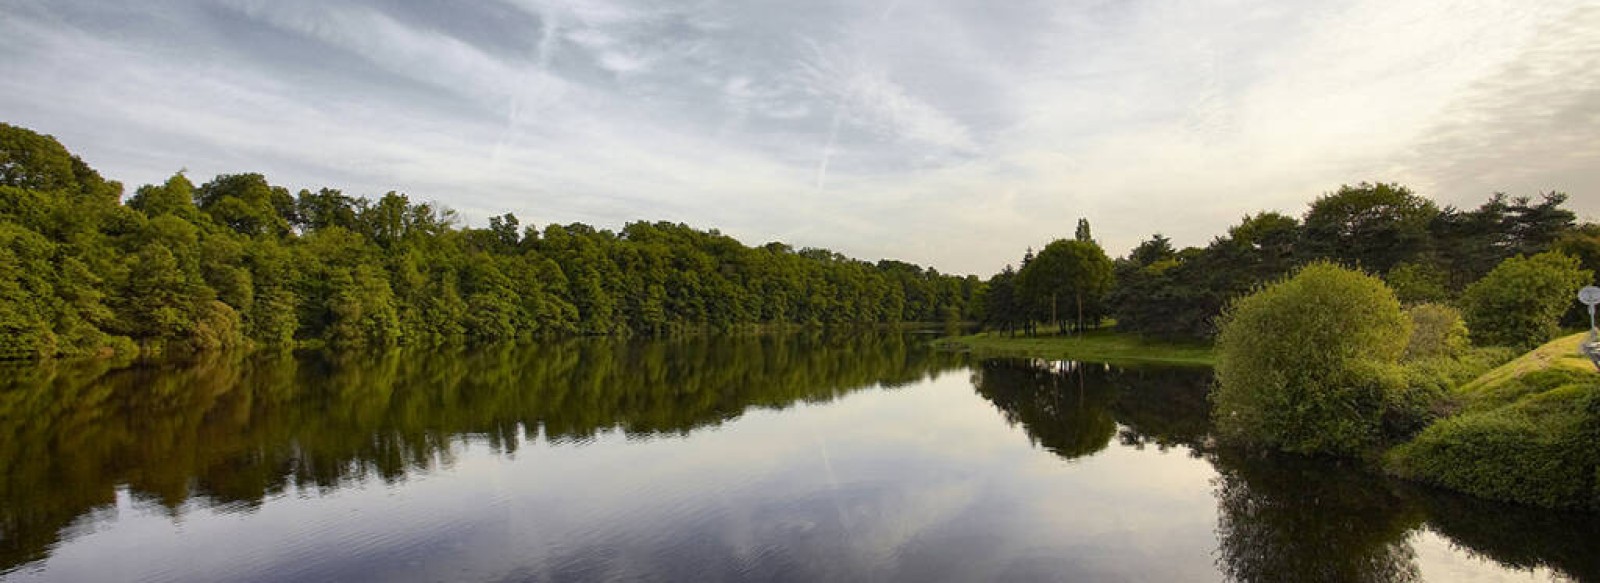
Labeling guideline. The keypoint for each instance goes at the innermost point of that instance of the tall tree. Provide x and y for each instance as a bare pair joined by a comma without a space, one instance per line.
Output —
1371,226
1067,282
1082,234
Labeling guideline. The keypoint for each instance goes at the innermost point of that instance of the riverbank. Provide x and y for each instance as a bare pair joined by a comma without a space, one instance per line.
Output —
1096,346
1524,432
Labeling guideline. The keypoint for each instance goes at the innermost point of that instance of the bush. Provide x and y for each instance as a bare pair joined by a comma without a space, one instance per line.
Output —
1417,283
1539,450
1518,304
1436,331
1429,382
1309,364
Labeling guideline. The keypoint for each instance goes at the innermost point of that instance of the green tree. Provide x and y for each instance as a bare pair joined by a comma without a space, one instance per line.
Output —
1003,311
1308,364
1417,283
247,204
1155,249
1067,282
35,161
1519,303
1372,226
1081,233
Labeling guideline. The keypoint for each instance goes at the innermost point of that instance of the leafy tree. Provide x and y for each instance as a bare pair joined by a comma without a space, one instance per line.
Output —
325,208
1153,250
1372,226
1417,283
35,161
1518,304
1067,282
1583,243
1471,243
247,204
175,197
1308,364
1436,331
237,259
1082,234
1002,308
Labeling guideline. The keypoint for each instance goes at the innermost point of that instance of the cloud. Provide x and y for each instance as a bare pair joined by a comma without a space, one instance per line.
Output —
1526,127
954,133
865,95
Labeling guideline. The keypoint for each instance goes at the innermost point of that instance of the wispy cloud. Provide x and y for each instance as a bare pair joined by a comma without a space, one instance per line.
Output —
950,132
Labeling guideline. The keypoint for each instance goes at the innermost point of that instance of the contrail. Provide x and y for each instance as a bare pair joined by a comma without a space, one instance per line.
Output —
827,149
838,109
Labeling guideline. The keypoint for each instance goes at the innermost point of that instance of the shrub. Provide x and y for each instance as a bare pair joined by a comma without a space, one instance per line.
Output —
1429,382
1436,331
1539,450
1309,364
1417,282
1518,303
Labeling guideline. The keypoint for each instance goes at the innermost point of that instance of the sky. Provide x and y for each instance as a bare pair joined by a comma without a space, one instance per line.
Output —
948,133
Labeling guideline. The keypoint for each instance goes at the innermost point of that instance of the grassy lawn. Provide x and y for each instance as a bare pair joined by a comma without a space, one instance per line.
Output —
1558,355
1097,346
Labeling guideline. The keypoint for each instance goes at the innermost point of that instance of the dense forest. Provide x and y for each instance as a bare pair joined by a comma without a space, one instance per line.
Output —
1424,252
237,261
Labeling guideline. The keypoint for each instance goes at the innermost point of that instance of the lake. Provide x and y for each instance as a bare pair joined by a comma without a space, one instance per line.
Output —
806,457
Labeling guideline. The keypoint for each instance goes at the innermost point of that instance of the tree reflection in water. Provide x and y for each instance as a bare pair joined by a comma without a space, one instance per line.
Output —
234,430
237,430
1280,517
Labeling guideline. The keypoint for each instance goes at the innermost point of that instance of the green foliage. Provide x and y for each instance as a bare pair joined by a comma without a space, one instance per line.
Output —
237,260
1180,298
1519,303
1538,450
1471,243
1416,283
35,161
1428,392
1436,331
1308,364
1372,226
1583,243
1521,432
1066,282
1427,254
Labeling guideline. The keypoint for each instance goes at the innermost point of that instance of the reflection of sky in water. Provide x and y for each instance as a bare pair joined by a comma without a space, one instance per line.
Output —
925,482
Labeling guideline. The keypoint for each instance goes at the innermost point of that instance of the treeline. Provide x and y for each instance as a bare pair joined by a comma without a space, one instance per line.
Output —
1425,252
237,261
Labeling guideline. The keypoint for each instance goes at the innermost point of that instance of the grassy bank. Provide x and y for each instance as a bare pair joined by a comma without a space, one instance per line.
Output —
1097,346
1525,432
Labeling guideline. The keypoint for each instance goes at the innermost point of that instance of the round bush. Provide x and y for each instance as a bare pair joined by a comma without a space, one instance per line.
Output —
1518,304
1307,364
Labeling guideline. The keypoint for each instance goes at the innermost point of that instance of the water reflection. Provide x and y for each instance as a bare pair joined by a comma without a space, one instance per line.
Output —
1063,407
922,484
1280,517
236,430
1285,518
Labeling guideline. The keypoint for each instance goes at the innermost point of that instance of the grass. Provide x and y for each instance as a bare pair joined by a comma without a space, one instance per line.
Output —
1525,433
1560,354
1095,346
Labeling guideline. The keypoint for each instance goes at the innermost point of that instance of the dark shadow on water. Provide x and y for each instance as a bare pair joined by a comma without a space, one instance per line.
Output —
1280,517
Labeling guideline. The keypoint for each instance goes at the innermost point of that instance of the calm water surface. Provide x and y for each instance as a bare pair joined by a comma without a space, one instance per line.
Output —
808,457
